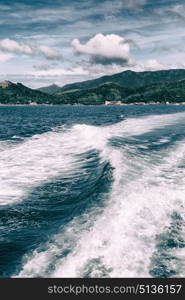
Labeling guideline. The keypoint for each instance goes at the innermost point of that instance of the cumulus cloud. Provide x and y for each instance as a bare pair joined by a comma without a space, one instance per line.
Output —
50,53
153,65
105,49
13,46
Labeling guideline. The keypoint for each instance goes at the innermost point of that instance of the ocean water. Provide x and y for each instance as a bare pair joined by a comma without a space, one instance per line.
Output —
96,191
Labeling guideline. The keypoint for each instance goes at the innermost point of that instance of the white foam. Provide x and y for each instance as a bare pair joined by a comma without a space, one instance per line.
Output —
119,241
44,156
123,238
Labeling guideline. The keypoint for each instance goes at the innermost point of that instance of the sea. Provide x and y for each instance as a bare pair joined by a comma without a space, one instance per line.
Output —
92,191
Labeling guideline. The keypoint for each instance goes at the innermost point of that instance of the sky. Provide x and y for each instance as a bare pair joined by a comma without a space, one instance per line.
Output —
63,41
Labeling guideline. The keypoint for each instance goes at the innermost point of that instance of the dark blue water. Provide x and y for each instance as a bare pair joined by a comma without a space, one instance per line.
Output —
94,191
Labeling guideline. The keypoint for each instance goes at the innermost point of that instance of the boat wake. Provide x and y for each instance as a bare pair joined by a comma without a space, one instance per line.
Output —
136,229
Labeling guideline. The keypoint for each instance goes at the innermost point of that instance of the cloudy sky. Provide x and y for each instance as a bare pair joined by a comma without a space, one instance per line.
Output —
62,41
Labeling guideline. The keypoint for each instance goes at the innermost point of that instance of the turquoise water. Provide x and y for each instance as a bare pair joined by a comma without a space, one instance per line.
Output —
94,191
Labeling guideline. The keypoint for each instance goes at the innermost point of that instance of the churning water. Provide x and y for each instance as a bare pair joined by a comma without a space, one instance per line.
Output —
92,191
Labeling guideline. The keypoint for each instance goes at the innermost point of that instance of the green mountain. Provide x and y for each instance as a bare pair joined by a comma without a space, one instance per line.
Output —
126,87
98,95
173,92
129,79
51,89
123,88
17,93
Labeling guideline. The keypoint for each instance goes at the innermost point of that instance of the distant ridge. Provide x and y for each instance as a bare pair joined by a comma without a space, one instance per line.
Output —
129,79
166,86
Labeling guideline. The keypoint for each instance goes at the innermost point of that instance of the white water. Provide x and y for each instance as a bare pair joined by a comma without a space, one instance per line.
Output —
120,240
43,157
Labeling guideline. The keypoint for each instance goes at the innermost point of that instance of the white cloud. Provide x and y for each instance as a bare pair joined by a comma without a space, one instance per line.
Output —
105,49
153,65
5,57
60,72
50,53
13,46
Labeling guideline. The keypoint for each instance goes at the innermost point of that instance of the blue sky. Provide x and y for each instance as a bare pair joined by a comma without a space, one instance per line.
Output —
60,41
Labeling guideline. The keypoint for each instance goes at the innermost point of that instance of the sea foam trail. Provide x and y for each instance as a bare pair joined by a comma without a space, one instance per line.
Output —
45,156
120,240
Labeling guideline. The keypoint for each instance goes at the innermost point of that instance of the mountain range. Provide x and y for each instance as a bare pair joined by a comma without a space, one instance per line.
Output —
128,87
